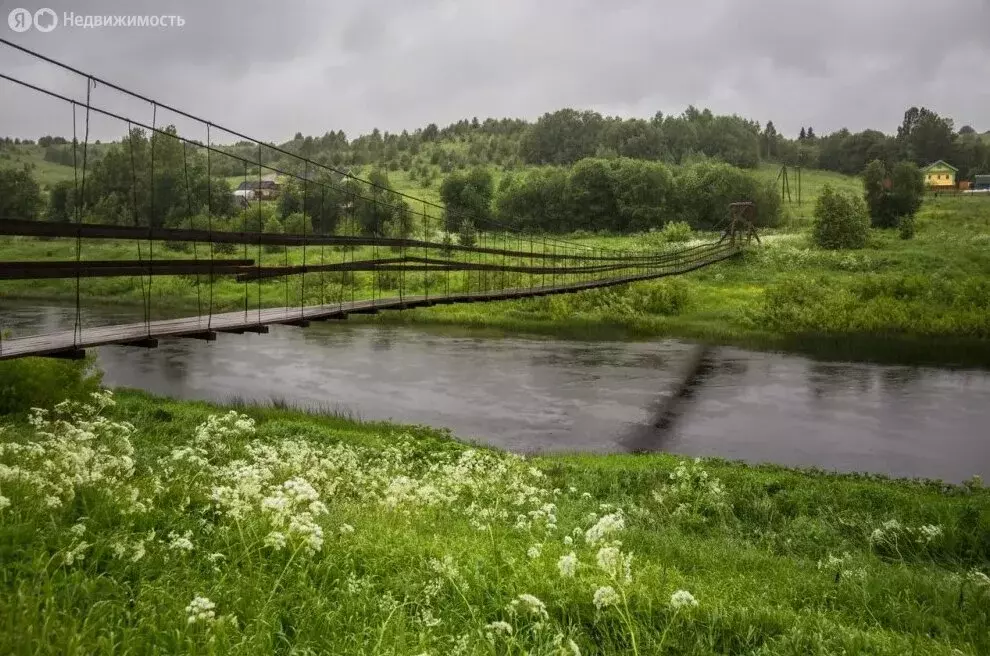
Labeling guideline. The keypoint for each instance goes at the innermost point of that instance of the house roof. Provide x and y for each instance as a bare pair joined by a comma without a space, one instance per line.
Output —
254,184
940,164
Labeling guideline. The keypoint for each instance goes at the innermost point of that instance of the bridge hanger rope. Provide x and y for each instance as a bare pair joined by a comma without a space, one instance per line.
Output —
302,292
261,229
244,226
77,209
135,214
151,219
209,221
77,329
189,218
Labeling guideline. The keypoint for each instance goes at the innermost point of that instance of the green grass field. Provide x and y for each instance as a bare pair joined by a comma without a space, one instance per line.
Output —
169,527
46,173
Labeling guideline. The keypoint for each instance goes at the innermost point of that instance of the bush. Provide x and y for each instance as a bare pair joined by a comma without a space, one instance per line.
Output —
295,224
676,231
42,382
841,220
894,194
704,190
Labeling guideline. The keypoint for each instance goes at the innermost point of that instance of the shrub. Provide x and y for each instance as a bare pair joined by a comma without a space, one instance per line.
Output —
42,382
676,231
704,190
841,220
893,194
295,224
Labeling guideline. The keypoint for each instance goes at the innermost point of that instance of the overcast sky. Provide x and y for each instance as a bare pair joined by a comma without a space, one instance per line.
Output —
270,69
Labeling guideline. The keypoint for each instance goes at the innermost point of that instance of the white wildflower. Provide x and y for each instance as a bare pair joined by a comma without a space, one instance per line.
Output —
427,618
4,502
605,596
138,551
534,551
78,529
346,529
610,560
682,598
177,542
567,565
929,532
499,627
76,553
276,540
530,604
201,609
568,540
607,526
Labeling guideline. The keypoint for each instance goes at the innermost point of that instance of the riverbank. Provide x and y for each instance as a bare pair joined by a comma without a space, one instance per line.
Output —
924,300
920,301
274,529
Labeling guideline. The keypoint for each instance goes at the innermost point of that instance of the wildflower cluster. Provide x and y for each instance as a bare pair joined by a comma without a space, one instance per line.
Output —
75,448
692,492
841,567
892,537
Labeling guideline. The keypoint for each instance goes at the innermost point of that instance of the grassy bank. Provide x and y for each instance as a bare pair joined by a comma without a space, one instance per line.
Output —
920,300
926,299
175,527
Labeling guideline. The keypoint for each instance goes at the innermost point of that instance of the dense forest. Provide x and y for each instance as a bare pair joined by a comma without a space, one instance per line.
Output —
567,135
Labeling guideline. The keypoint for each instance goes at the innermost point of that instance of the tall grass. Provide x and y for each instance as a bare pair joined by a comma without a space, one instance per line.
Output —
170,527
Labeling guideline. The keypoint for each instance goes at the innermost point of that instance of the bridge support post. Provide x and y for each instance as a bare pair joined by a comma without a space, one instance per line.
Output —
205,336
146,342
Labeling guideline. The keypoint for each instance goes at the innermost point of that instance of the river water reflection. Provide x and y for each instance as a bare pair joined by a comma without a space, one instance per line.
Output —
533,394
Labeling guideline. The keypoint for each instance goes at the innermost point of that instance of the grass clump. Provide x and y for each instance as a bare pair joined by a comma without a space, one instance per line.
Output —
41,382
133,524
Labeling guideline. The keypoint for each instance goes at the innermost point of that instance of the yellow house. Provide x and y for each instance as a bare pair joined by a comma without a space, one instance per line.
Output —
940,174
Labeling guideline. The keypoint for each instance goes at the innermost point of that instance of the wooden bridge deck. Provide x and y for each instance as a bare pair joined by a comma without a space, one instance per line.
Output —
71,344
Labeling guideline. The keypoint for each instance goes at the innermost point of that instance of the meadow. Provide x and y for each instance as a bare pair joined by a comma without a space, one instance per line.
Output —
135,524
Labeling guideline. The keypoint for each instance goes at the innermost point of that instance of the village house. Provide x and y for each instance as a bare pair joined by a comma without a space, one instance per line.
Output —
267,188
940,175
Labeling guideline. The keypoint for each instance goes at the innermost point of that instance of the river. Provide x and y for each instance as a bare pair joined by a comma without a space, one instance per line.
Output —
531,394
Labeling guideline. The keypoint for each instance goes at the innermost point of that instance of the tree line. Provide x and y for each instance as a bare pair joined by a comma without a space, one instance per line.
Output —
161,181
621,195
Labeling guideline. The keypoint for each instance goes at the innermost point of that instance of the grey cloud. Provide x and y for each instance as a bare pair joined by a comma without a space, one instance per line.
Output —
271,69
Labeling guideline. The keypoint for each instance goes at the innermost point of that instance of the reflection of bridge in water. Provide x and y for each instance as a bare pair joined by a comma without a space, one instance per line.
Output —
488,261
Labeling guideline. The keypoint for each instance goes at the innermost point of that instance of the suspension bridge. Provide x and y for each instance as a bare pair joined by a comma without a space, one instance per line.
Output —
399,251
